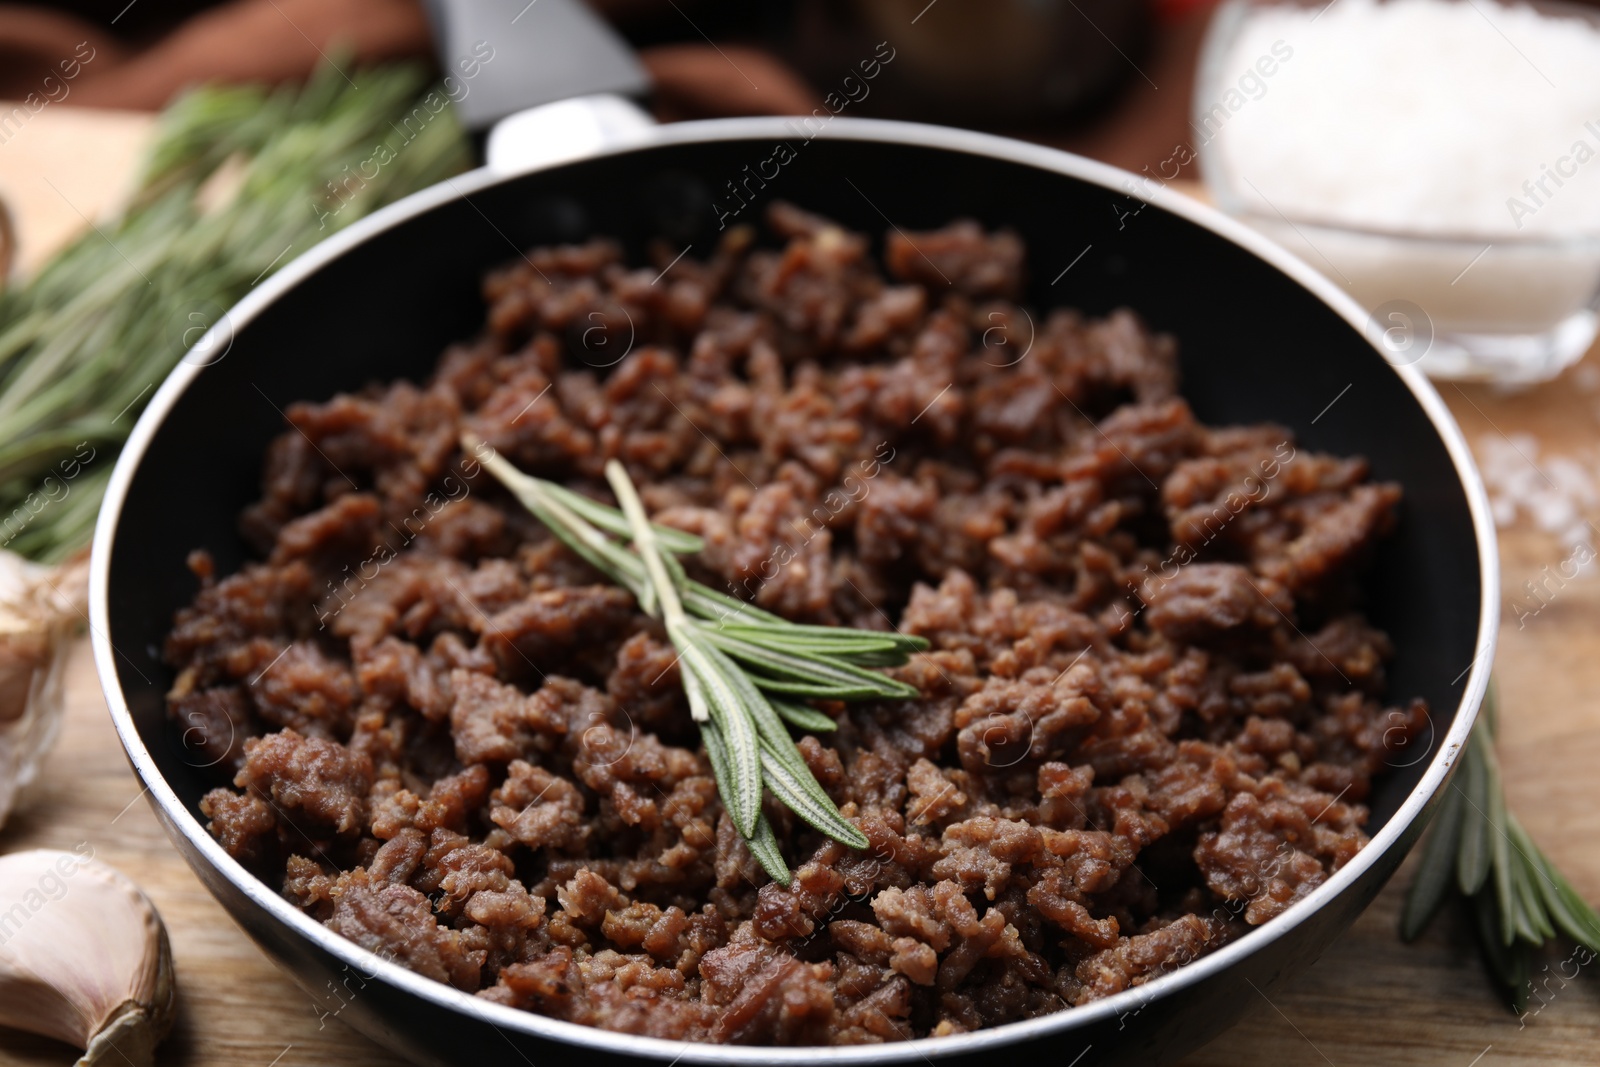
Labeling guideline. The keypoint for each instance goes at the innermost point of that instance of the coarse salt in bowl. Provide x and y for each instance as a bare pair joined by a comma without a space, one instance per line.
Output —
1439,159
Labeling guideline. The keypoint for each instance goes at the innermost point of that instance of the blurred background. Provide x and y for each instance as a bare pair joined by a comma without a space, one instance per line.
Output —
1108,78
1390,155
1080,72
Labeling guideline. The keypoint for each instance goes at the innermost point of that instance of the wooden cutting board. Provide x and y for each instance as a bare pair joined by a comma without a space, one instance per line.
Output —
1369,1000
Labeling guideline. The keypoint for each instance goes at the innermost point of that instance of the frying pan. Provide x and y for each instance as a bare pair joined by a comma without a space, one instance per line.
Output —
1262,337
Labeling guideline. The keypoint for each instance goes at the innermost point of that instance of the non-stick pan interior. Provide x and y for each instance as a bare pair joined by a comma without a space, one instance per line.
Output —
1255,345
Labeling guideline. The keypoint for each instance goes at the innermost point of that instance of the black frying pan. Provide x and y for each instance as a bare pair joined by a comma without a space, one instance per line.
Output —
1262,336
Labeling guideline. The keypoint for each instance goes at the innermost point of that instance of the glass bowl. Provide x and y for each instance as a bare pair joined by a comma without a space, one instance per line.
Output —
1508,308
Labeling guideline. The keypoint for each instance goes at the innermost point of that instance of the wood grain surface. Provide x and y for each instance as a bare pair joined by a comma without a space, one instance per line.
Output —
1369,1000
63,168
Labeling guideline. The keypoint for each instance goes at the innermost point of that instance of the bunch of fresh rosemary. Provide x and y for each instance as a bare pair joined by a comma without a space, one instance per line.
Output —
239,182
1518,897
744,669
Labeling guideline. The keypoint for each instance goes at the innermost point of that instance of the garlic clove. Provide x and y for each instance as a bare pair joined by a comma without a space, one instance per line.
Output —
40,607
84,957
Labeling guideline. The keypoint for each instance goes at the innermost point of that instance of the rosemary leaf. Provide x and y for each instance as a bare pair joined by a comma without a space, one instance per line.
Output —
716,751
1503,963
722,769
707,603
875,659
1538,927
1566,909
1512,920
806,675
1525,914
778,747
774,636
769,727
1437,869
1526,874
1529,901
795,795
675,572
821,691
750,623
742,797
861,653
675,541
803,718
1521,963
600,553
1472,862
764,847
826,638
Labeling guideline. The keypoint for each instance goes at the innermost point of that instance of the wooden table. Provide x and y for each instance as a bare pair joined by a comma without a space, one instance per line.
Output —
1369,1000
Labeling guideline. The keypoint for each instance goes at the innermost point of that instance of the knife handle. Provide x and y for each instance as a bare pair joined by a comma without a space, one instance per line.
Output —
525,53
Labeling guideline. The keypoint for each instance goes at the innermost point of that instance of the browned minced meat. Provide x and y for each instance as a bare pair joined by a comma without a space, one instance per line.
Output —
1151,710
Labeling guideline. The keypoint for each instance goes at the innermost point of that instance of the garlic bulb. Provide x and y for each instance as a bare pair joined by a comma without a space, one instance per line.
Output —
83,957
40,607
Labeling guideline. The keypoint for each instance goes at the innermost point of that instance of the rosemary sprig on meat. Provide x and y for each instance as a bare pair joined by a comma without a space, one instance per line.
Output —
1519,899
744,670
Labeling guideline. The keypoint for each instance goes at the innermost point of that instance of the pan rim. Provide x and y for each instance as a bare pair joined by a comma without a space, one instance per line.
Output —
1060,1024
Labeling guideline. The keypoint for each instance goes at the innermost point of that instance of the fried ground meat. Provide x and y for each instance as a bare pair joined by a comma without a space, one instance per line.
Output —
1151,710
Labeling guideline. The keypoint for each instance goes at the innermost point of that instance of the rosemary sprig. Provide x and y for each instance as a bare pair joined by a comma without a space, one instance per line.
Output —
1519,899
742,667
85,341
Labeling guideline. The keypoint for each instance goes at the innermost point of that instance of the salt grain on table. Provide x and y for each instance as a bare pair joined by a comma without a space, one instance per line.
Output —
1554,492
